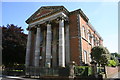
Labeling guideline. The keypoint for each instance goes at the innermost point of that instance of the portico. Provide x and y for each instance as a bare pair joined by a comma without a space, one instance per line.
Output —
49,48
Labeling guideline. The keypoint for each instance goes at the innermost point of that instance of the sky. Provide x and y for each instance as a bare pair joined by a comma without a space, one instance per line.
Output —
102,15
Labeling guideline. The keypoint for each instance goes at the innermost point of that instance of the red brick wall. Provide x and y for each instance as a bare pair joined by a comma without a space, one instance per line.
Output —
110,71
74,41
85,45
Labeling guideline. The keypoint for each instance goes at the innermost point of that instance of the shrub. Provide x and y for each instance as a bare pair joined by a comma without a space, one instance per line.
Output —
112,63
83,70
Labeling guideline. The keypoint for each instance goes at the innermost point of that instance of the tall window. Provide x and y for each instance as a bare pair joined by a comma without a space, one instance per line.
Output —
97,42
90,57
89,36
92,40
84,32
85,56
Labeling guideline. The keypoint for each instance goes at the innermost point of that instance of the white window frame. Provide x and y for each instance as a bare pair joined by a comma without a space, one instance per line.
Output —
85,56
84,32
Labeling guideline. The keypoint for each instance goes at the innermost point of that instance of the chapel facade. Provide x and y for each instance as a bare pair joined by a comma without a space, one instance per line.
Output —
56,37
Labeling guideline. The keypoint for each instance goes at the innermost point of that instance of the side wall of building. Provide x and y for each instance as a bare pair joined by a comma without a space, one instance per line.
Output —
85,34
74,40
89,39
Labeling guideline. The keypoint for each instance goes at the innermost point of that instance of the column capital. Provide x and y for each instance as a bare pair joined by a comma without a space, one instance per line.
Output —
48,22
37,26
62,18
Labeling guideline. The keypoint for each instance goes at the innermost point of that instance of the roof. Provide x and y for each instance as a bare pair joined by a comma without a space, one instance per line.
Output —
49,10
80,12
45,11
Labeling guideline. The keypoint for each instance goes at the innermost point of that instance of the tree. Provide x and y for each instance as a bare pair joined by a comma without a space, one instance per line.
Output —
100,54
13,44
114,59
116,55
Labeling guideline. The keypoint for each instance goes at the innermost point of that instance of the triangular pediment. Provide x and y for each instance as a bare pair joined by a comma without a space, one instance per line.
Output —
45,11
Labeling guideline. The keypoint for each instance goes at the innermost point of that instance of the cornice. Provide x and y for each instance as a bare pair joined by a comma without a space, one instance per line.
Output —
60,8
79,11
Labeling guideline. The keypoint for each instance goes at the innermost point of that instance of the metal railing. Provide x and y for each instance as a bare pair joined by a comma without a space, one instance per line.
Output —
38,71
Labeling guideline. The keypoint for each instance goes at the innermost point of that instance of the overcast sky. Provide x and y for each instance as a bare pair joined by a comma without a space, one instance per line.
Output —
102,15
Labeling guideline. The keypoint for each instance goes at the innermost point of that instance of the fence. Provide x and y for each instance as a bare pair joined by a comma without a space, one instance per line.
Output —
13,71
37,71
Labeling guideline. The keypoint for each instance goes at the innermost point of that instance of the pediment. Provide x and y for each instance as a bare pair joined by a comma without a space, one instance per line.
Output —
46,11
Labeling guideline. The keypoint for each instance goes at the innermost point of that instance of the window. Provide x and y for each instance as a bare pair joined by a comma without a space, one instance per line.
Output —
90,57
84,32
89,36
85,56
97,42
92,40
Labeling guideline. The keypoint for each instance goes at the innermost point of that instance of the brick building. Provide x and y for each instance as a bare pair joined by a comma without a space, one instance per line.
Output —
56,37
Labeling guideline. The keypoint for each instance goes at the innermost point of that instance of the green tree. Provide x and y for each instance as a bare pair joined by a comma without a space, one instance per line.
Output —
13,44
116,54
114,59
100,54
112,63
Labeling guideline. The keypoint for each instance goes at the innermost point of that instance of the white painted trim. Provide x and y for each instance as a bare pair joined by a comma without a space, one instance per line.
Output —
52,17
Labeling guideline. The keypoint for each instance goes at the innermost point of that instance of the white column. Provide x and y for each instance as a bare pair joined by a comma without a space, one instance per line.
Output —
37,47
27,61
61,44
48,46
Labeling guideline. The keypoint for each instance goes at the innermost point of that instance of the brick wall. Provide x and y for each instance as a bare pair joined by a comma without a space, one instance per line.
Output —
74,41
110,71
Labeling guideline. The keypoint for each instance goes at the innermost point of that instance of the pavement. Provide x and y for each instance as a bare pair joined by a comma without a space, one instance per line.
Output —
16,78
113,77
117,75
